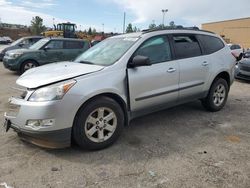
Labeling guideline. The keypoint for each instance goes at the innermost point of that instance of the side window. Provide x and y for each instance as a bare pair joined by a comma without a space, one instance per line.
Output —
156,48
186,46
35,40
32,41
210,44
25,42
55,44
73,45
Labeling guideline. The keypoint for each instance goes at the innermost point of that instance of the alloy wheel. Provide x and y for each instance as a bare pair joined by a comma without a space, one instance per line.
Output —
100,124
219,95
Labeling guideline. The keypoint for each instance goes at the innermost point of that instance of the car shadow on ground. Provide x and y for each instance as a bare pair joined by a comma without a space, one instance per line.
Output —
159,134
243,81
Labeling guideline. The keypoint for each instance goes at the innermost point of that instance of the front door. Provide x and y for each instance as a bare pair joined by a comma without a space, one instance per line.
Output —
52,52
156,85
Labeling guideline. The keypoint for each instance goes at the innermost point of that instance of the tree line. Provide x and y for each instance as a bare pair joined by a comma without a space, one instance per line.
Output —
37,27
131,29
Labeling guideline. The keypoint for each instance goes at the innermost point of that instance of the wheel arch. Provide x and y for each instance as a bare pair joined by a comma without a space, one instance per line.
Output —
113,96
30,59
225,75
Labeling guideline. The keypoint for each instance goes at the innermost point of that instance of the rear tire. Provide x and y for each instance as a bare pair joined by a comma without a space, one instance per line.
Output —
26,65
217,96
98,124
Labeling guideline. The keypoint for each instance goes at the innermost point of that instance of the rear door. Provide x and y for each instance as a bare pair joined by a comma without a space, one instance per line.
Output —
156,85
72,49
194,67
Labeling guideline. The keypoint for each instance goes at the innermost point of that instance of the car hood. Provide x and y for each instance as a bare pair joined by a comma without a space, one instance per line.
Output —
55,72
4,50
10,48
22,50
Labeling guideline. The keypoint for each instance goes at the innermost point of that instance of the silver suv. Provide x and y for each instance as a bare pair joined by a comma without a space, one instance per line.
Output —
91,99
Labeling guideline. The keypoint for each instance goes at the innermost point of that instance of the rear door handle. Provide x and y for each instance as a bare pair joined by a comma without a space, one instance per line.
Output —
205,63
170,70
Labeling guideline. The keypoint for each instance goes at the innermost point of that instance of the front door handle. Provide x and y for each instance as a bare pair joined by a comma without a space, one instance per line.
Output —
170,70
205,63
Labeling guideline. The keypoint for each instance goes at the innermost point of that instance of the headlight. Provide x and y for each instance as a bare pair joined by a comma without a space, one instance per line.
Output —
14,55
52,92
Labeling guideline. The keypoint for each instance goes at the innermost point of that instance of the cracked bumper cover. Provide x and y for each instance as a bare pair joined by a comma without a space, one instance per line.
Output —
56,136
47,139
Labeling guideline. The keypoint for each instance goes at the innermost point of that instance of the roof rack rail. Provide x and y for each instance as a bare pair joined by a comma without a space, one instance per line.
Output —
178,27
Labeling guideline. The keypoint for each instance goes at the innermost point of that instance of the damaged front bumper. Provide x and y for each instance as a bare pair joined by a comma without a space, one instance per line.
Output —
21,112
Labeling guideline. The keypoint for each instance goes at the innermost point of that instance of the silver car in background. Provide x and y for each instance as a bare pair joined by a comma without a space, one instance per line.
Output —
242,69
91,99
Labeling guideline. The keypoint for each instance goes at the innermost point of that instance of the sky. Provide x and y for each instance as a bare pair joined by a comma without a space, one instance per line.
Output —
108,14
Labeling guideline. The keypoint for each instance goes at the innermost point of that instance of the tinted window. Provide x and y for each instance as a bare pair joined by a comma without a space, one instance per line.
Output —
73,44
186,46
235,47
156,48
210,44
55,44
36,39
32,41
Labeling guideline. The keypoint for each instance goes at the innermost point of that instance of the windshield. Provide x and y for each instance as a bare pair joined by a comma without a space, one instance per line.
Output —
107,52
39,44
17,42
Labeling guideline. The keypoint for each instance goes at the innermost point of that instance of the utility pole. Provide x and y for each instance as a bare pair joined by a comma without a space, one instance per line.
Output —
124,22
103,28
164,11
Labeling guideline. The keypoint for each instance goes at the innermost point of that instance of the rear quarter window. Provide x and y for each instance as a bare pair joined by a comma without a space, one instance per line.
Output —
74,44
210,44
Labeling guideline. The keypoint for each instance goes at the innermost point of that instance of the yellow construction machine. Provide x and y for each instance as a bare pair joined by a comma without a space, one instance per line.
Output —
65,30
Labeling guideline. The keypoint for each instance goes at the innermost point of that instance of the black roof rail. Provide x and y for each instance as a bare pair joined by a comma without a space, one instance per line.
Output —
178,27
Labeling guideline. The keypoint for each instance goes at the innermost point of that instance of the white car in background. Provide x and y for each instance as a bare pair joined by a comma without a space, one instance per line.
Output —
236,49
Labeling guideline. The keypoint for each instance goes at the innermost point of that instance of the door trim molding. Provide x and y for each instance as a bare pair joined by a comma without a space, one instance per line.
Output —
167,92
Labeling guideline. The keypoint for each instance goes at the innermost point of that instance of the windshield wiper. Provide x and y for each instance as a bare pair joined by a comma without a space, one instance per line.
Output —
85,62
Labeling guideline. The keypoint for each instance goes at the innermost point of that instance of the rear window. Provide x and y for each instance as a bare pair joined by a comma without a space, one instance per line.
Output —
235,47
210,44
186,46
74,44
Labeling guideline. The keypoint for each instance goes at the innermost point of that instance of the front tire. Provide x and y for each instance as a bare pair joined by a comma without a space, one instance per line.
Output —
98,124
26,65
217,96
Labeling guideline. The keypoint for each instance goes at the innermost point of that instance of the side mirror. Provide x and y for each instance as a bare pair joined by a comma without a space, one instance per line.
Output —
139,61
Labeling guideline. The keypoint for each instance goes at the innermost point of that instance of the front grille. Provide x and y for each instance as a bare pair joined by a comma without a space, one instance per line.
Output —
245,68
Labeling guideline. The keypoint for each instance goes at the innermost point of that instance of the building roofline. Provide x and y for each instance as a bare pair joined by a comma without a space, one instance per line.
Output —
227,20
